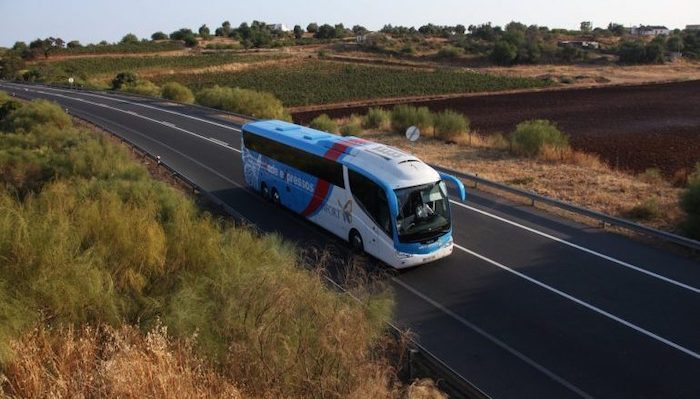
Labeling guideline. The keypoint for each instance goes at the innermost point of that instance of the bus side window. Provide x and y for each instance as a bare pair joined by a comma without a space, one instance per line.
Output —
372,198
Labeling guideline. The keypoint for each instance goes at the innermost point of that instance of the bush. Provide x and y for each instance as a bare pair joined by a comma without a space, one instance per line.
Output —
325,123
124,79
531,137
177,92
651,176
450,124
39,112
690,202
646,210
351,129
405,116
243,101
450,52
143,87
376,118
504,53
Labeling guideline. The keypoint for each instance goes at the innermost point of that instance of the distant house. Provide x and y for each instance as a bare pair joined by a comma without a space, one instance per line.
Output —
279,27
649,30
692,27
584,44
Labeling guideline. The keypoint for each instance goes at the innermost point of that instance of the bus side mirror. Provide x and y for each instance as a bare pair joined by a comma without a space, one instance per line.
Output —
458,184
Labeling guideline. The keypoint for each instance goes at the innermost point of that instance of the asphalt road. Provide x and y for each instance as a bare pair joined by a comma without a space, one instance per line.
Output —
528,306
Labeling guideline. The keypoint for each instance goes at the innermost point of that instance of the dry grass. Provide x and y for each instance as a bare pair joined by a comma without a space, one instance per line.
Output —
110,362
567,175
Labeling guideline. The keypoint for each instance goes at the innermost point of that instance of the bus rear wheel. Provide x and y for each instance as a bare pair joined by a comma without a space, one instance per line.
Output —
276,197
356,243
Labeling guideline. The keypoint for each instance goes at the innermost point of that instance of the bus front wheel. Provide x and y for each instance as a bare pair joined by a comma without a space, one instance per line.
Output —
355,240
265,191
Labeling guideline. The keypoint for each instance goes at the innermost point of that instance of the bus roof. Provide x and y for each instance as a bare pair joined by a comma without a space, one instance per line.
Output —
395,167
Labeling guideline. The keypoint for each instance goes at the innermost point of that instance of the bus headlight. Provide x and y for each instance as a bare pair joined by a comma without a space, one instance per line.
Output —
403,255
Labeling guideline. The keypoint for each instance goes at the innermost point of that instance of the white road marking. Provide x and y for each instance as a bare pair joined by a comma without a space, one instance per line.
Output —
583,303
166,123
221,142
494,340
512,223
583,249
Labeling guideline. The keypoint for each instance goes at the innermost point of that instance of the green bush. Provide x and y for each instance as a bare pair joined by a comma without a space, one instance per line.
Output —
405,116
450,52
325,123
124,79
646,210
690,202
143,87
351,129
177,92
243,101
531,137
376,118
39,112
450,124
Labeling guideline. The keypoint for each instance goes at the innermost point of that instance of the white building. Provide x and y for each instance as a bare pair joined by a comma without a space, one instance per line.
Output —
649,30
280,27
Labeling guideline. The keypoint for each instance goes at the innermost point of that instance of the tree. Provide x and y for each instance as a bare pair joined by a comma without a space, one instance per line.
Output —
204,32
325,31
129,38
340,30
632,52
586,26
181,34
10,65
74,44
616,29
159,36
460,29
19,47
312,27
359,30
674,43
504,53
298,32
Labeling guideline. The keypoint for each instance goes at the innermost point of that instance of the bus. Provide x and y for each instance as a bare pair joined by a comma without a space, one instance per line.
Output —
381,200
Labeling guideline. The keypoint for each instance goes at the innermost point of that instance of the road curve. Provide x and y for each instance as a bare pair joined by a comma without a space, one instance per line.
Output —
529,305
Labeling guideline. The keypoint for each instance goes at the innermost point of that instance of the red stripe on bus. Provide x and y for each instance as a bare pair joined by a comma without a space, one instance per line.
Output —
320,193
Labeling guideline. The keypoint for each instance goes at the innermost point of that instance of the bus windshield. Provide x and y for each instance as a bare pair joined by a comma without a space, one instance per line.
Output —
424,212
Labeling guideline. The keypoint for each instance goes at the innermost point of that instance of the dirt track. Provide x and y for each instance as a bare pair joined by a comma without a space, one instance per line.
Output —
631,127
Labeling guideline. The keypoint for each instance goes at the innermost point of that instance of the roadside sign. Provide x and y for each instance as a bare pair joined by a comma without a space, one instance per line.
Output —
412,133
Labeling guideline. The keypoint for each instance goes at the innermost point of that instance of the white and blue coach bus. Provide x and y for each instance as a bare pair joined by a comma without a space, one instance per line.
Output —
382,200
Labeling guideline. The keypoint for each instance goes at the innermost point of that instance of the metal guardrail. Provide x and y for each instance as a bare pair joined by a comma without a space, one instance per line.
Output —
606,219
533,197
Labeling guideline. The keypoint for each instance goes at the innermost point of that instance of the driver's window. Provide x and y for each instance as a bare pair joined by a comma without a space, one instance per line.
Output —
372,198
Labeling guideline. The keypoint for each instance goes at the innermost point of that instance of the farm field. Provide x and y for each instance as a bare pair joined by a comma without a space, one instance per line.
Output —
95,66
631,127
318,81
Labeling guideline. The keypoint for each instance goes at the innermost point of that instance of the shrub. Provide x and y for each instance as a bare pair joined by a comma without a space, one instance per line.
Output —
123,79
351,129
690,202
177,92
450,52
143,87
646,210
504,53
38,112
651,176
405,116
377,118
243,101
450,124
325,123
531,137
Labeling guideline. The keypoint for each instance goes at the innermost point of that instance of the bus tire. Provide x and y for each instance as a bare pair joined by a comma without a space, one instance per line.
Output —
265,191
356,243
276,197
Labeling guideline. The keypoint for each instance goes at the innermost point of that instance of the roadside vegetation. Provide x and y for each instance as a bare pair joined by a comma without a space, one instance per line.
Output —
537,156
106,272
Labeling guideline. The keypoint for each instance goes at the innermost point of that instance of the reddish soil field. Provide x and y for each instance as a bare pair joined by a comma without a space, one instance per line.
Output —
631,127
